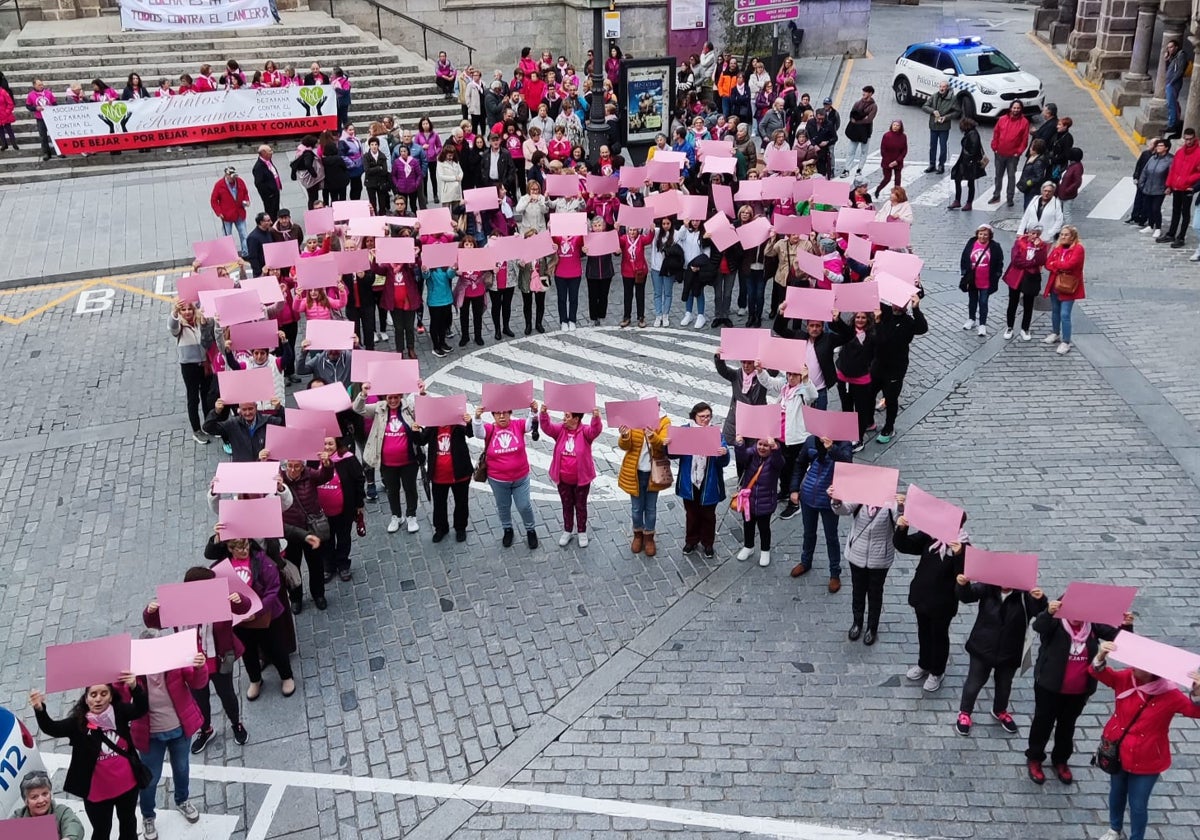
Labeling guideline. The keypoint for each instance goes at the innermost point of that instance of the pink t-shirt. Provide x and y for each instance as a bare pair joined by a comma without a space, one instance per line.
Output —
395,442
568,464
1075,678
983,271
113,775
473,286
242,568
570,257
506,456
330,495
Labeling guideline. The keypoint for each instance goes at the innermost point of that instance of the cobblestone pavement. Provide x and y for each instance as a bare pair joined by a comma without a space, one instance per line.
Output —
712,687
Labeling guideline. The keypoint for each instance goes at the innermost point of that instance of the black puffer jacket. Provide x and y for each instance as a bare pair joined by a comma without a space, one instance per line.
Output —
998,637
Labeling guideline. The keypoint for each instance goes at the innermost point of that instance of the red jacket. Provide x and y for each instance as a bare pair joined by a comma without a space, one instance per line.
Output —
1010,137
228,208
1146,748
1062,259
633,254
1185,168
180,683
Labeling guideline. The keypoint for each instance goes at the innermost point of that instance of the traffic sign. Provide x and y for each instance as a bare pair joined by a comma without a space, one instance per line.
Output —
746,5
767,15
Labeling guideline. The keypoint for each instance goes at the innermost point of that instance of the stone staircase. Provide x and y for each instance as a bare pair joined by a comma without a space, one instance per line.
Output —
387,80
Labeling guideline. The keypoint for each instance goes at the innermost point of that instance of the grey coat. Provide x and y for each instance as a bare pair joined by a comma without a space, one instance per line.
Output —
1153,178
870,542
946,105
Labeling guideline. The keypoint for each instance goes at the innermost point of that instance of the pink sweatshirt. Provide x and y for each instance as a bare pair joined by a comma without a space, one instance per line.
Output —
578,442
570,257
506,456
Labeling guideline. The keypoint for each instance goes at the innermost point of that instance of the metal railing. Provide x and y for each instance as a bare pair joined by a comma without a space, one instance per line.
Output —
425,28
17,7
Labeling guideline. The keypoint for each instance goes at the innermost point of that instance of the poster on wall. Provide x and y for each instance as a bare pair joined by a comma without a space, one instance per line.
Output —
648,85
190,15
90,127
688,14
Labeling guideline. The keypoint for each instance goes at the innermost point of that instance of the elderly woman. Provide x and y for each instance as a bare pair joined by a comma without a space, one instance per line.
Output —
507,463
1045,210
1064,286
1024,278
981,264
969,166
896,208
701,486
392,448
38,795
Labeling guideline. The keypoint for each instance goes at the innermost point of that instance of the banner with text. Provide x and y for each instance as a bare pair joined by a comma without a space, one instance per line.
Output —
91,127
190,15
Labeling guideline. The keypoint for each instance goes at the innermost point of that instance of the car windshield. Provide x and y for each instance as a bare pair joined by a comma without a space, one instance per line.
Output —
984,62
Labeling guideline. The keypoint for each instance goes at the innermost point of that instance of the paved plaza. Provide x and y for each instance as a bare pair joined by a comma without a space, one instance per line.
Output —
467,691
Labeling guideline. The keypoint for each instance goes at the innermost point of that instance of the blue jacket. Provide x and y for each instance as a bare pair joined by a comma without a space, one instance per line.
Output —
438,286
815,473
713,488
764,495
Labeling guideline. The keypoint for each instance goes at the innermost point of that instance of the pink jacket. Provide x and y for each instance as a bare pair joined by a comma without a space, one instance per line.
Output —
180,682
586,465
315,311
6,108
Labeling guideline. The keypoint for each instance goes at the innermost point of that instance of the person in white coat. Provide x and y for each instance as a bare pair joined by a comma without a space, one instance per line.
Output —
793,390
1045,210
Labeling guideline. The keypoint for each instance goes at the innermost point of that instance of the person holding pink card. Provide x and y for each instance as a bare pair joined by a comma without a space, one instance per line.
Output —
870,552
470,292
599,270
342,499
505,463
193,334
638,253
245,432
995,646
572,468
644,471
701,486
319,304
810,483
760,463
568,271
306,517
450,471
391,448
666,265
530,276
895,329
854,369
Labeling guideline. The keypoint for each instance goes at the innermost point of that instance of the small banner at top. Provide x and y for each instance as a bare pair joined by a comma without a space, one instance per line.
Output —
90,127
190,15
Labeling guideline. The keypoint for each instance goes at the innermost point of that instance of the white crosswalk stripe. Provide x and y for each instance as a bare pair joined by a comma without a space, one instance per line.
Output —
1116,202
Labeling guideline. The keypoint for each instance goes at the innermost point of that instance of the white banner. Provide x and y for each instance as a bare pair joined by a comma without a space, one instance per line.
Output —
190,15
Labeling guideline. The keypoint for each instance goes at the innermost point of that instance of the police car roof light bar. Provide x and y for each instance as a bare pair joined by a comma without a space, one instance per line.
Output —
966,40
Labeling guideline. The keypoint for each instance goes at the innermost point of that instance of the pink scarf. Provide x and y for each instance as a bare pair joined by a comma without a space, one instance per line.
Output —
1078,637
747,382
1151,689
106,720
944,548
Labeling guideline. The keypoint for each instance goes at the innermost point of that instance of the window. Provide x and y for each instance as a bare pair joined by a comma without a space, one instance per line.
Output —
945,62
985,63
923,55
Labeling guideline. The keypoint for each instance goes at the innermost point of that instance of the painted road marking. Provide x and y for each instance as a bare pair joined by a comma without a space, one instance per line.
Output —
1116,202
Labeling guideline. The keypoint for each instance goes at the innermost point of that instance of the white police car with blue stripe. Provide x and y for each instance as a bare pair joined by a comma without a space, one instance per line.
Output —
985,79
18,756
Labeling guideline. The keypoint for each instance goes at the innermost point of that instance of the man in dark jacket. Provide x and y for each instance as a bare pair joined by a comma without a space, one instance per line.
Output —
823,343
256,239
246,431
496,166
327,365
943,110
494,103
894,332
267,181
931,594
812,479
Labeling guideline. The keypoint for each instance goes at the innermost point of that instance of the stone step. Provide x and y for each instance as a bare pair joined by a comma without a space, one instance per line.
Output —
118,38
214,54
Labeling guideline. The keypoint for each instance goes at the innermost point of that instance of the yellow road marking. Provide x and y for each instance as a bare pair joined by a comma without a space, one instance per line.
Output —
136,290
846,68
1104,109
24,289
77,286
83,285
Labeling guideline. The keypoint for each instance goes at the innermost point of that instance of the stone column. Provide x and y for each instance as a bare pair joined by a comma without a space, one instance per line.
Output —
1136,82
1154,115
1191,110
1060,29
1114,39
1045,15
1083,37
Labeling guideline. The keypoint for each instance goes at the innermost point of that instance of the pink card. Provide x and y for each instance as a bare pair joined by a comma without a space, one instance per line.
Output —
399,250
778,188
208,299
693,206
537,246
239,307
637,218
353,261
568,224
267,289
505,248
439,255
719,165
712,148
662,172
1096,602
372,226
213,252
664,203
893,289
225,570
810,265
793,225
824,221
931,515
81,664
999,568
562,186
604,242
670,156
905,266
292,443
281,254
250,518
199,601
440,411
245,386
741,343
890,234
395,376
350,210
723,199
359,360
318,221
325,421
854,220
481,199
507,396
254,335
864,484
603,184
695,440
329,335
856,297
758,421
834,425
858,249
809,304
317,272
435,220
167,653
475,260
632,177
781,160
188,288
636,414
835,193
749,191
721,232
579,398
30,828
754,232
1172,663
323,398
247,477
802,190
783,354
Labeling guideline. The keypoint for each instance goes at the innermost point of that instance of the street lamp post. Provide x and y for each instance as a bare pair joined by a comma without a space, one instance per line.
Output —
597,128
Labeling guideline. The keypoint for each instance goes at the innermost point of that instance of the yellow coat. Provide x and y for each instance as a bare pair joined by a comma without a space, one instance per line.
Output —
627,478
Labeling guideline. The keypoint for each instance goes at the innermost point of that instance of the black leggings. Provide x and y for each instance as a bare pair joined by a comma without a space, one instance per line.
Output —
763,523
1026,298
314,558
462,511
393,479
867,594
501,308
265,646
860,399
597,292
470,312
530,300
890,387
958,190
977,676
479,124
100,814
193,383
933,641
363,318
439,325
404,321
1057,713
634,291
223,683
313,194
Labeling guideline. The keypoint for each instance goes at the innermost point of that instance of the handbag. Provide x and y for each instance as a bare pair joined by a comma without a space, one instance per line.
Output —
1066,283
968,276
741,499
660,472
983,162
290,575
141,773
318,523
481,469
1108,755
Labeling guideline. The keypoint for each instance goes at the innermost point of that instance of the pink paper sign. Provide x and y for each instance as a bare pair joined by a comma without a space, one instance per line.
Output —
890,234
394,376
349,210
398,250
723,199
475,260
245,386
749,191
331,397
721,232
80,664
713,148
325,421
714,165
802,190
858,248
247,476
1163,660
781,160
640,218
507,396
632,177
215,251
537,246
435,220
30,828
758,421
439,255
239,307
754,232
695,440
893,289
602,242
936,517
603,184
579,398
854,220
562,186
810,265
318,221
166,653
189,287
669,156
693,207
823,221
793,225
905,266
250,518
636,414
352,261
360,359
783,354
365,227
440,411
662,172
999,568
267,289
778,188
568,224
281,254
319,272
293,443
225,570
835,193
809,304
834,425
329,335
254,335
664,203
856,297
1096,602
481,199
741,343
864,484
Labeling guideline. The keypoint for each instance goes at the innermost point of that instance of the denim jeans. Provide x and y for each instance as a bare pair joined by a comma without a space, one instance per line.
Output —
1006,166
507,492
177,745
1134,788
1173,105
240,226
978,299
662,292
1060,316
937,147
858,154
829,521
755,282
696,298
644,506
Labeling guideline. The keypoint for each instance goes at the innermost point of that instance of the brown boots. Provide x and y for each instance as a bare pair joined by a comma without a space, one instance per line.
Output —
649,547
638,542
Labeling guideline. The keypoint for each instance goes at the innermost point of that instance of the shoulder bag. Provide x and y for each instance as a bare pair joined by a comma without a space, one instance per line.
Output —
141,773
1108,754
741,499
318,523
968,276
481,469
1066,283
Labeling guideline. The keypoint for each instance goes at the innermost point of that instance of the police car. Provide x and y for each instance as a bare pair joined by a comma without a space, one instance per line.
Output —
985,79
18,757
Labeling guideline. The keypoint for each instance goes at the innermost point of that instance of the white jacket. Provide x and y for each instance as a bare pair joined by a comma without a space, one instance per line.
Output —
806,394
1051,221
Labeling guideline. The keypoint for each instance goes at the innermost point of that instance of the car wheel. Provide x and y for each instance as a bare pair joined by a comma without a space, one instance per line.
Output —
967,105
903,91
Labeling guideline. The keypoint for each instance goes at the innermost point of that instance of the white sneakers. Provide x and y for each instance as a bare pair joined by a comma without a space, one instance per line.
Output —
1112,834
1025,336
686,319
745,553
1148,229
982,331
764,558
1194,257
1008,333
189,811
933,682
149,832
699,321
666,321
380,337
1157,233
658,321
915,673
1063,349
969,324
413,525
583,539
562,326
564,539
571,326
1050,339
394,524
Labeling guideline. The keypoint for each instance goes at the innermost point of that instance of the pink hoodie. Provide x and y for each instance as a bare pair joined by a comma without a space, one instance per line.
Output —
584,434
